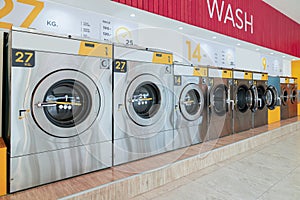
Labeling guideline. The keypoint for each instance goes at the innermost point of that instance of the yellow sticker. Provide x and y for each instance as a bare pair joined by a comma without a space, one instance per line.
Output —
226,74
162,58
95,49
287,80
200,71
264,77
248,76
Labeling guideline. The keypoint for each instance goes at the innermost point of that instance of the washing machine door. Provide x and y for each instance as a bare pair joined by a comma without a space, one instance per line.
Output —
261,97
65,103
293,96
254,94
284,96
271,97
218,99
191,102
144,100
244,98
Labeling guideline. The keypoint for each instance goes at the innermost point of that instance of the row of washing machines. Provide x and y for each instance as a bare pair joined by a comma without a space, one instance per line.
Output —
72,106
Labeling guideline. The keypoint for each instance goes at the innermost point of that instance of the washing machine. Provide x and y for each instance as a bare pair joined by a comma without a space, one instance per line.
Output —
190,117
293,102
285,97
59,97
245,97
143,103
267,98
220,103
3,34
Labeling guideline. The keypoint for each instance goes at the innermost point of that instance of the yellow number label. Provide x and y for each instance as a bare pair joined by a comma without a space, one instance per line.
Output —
23,58
120,66
196,51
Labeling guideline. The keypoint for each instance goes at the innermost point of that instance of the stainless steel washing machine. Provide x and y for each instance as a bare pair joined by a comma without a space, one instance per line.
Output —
143,103
245,100
190,117
285,97
220,103
267,98
59,113
293,102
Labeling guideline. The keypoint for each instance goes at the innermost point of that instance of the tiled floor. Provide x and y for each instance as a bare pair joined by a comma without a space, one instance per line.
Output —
233,173
271,171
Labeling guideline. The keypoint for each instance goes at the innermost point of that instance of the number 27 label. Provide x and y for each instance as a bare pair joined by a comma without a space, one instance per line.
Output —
23,58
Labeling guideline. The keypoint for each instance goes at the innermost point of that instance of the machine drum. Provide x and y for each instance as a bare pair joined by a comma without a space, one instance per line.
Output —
68,103
146,100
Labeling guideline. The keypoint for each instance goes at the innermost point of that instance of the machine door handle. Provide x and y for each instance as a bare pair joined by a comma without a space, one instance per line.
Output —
229,101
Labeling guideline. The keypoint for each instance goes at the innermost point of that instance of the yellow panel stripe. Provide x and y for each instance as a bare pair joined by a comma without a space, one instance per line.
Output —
38,7
226,74
248,76
287,80
162,58
95,49
6,25
3,168
200,71
264,77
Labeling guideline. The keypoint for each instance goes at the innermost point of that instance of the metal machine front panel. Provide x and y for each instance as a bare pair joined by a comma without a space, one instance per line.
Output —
59,106
220,108
190,106
293,104
143,104
35,169
243,98
261,114
285,98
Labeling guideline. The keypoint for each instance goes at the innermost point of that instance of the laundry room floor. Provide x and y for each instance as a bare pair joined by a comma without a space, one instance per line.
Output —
269,172
265,172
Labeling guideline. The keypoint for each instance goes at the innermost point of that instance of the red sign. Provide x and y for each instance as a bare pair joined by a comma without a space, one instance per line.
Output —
253,21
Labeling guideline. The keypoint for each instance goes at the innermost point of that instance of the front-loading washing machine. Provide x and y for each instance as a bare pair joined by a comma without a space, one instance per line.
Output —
267,95
143,103
220,103
293,102
285,97
245,100
190,117
59,97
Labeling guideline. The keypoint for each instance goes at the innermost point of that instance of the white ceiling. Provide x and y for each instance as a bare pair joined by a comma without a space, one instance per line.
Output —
123,12
290,8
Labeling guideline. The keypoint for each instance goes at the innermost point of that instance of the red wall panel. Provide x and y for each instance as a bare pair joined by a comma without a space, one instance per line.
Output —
272,29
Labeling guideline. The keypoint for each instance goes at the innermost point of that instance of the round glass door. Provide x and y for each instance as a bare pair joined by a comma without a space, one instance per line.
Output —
293,96
261,96
271,97
254,96
284,96
65,103
218,99
191,102
244,98
145,100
